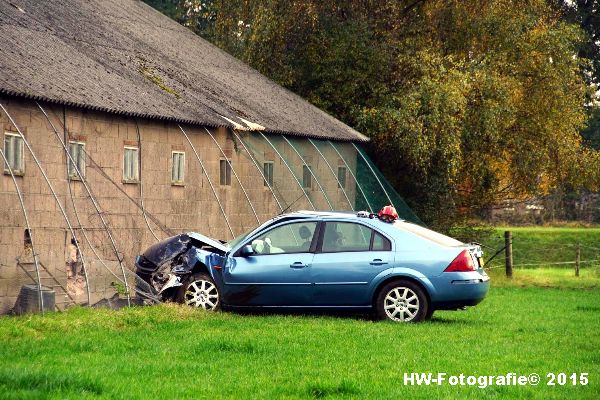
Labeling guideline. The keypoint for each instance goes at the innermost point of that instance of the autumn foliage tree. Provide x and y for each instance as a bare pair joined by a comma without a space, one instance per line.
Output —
467,103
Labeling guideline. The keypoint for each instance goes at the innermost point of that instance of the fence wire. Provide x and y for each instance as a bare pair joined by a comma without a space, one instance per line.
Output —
545,249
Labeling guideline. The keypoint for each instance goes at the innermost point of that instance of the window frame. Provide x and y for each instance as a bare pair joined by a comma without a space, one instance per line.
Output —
228,168
313,243
136,179
342,184
305,177
178,182
21,141
71,170
319,247
385,238
269,177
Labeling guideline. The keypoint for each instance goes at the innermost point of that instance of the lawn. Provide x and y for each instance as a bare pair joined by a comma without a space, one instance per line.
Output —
170,351
545,257
547,277
545,320
544,246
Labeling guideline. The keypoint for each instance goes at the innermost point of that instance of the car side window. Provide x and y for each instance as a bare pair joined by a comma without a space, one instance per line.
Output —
295,237
381,243
346,236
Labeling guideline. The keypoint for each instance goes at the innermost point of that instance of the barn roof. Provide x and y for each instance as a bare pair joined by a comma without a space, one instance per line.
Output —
124,57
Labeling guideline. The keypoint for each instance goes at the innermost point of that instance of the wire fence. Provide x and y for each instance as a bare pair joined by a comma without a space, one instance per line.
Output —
570,249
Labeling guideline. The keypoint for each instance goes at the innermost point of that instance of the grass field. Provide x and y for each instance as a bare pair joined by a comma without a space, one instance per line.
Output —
548,277
552,253
543,246
175,352
544,320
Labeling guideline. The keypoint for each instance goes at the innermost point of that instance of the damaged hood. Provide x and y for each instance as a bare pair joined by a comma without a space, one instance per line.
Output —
208,241
168,249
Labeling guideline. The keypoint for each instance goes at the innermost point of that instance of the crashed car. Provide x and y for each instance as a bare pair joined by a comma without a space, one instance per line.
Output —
397,270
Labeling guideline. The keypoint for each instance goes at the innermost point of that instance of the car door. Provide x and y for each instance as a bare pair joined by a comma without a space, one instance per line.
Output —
278,272
349,256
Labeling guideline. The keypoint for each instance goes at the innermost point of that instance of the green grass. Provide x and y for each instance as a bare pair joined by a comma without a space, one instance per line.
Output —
546,246
543,320
547,277
176,352
552,253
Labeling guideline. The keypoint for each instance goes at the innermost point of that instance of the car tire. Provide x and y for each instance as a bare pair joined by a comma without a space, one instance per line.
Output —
402,301
200,291
429,314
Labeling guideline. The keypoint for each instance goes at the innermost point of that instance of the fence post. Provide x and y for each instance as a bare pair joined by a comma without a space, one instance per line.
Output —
508,253
577,259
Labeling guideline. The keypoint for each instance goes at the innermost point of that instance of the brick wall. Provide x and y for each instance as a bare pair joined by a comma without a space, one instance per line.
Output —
180,208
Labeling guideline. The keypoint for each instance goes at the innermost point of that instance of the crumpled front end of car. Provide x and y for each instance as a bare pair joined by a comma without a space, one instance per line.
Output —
166,265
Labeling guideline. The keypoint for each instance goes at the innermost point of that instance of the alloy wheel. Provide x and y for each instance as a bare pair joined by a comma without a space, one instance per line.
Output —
401,304
203,294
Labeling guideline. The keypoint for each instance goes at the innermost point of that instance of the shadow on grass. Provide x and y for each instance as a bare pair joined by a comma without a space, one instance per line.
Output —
345,314
320,390
351,315
436,320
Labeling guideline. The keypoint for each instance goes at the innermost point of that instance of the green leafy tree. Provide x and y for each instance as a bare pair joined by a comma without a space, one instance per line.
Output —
585,13
467,102
171,8
494,110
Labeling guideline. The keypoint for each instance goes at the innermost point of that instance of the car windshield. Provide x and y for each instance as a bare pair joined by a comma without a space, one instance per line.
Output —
234,242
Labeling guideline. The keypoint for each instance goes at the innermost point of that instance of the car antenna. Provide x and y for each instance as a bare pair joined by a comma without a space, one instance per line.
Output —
291,204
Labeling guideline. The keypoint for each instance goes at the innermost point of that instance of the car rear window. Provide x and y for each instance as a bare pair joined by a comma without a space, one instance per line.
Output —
435,237
380,243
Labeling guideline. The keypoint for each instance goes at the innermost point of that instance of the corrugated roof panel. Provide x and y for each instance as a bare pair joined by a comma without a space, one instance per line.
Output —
124,57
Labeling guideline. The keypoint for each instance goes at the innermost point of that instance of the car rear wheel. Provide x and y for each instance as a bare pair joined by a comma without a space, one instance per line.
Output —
200,291
429,314
402,301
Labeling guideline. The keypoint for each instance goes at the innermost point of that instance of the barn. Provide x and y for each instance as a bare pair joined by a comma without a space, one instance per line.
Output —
121,128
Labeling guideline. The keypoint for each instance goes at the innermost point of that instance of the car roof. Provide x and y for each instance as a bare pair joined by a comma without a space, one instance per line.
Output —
337,214
401,224
305,214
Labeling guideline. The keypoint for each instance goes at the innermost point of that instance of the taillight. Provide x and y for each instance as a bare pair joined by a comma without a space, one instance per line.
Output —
462,263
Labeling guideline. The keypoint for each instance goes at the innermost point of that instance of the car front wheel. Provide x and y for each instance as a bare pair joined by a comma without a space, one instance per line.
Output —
402,301
200,291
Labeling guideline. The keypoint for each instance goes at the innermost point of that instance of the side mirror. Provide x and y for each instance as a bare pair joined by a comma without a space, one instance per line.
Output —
246,251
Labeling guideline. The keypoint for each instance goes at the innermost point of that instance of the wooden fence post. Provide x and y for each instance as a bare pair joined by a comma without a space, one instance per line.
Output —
577,259
508,254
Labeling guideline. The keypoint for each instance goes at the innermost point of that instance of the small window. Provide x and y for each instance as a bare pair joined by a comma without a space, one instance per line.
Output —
225,175
341,177
27,239
346,236
295,237
268,172
306,177
13,151
177,167
77,153
381,243
130,164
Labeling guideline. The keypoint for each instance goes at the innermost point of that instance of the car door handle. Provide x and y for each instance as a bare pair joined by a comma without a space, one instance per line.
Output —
378,261
298,264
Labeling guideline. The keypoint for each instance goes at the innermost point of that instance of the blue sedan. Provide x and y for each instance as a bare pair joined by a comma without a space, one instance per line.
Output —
398,270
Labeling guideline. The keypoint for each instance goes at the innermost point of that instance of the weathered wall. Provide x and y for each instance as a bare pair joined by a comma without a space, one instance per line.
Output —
180,208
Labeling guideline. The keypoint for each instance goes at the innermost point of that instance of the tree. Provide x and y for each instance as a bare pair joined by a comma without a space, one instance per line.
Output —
494,111
467,102
585,13
171,8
